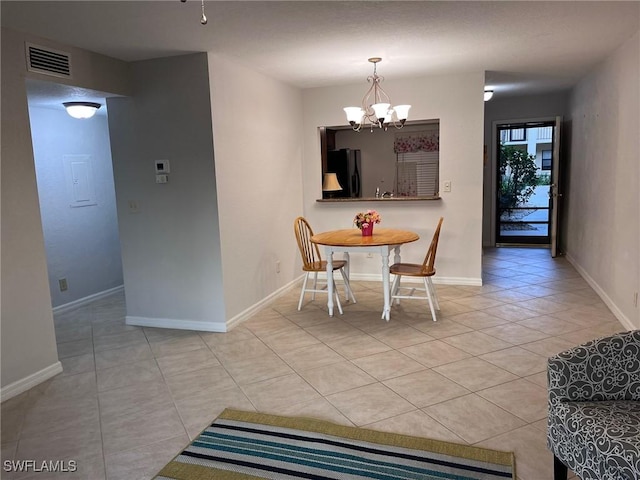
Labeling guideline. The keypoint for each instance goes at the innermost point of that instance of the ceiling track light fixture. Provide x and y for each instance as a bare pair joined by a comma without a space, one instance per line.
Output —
376,106
81,109
203,18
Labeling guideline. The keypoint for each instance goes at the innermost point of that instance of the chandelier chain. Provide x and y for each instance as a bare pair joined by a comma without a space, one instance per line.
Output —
203,17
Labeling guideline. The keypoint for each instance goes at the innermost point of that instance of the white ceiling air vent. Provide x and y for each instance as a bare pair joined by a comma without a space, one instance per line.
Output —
48,61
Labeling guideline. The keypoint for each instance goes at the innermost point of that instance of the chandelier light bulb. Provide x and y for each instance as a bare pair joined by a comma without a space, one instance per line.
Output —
381,110
354,115
402,112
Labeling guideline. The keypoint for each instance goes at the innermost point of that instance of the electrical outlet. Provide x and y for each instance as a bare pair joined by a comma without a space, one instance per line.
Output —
62,283
277,266
133,206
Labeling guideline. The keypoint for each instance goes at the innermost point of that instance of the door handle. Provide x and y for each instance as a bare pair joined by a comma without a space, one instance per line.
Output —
553,191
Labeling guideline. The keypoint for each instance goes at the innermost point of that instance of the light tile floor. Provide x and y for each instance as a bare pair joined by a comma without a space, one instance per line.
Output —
130,398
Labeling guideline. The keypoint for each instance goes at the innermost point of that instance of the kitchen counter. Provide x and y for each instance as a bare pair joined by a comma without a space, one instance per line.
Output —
377,199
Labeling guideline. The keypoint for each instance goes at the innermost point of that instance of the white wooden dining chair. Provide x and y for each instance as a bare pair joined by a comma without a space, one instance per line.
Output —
312,263
426,270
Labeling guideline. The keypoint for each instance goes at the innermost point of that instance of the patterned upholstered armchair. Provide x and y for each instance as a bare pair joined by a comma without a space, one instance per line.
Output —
594,409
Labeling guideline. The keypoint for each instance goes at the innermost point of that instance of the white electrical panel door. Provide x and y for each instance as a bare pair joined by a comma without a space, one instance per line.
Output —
80,181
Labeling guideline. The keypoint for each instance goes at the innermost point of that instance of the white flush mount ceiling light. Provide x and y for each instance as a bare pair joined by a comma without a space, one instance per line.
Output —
203,17
81,109
376,106
488,94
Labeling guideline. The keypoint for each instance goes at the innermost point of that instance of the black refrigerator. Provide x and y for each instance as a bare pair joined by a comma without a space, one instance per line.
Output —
345,163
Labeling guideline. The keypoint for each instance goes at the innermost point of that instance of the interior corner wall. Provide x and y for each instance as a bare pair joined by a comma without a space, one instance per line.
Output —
82,243
169,232
28,339
603,195
457,102
257,125
29,353
523,107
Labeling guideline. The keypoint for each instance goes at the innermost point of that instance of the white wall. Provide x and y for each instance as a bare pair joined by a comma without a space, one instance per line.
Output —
512,108
170,244
257,125
603,198
29,353
82,243
457,101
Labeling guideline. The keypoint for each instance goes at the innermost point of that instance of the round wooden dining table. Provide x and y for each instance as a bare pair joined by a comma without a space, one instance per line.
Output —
382,241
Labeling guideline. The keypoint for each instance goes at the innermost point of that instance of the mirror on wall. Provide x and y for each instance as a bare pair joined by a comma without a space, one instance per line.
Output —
391,164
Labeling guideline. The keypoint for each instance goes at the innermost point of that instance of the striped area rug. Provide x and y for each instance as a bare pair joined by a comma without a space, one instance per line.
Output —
247,445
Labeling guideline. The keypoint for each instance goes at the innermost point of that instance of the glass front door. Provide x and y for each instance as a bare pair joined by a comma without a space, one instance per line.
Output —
526,157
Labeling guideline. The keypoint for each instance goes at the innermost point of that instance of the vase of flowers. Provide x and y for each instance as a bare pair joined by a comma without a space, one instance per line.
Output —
365,221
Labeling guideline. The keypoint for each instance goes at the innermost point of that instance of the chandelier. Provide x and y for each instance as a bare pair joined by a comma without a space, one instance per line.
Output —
376,106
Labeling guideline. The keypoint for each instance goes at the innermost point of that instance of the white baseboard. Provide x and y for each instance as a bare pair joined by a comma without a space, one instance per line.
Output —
245,314
622,318
24,384
176,324
464,281
218,327
377,277
86,300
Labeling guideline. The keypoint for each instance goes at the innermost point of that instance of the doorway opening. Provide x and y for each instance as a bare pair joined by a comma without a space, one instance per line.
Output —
76,190
527,170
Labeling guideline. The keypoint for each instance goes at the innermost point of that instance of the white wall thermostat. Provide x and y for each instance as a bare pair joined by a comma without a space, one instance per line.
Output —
162,166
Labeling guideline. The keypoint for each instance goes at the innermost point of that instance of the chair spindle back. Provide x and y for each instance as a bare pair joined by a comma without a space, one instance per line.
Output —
309,251
430,258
